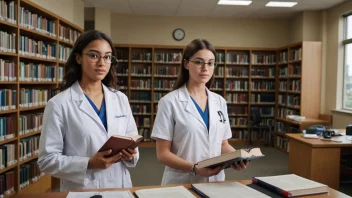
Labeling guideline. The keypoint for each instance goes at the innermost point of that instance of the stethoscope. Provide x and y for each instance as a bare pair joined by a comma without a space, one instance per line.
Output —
222,117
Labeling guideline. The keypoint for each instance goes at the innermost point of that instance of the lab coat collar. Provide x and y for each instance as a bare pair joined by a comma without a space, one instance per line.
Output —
184,96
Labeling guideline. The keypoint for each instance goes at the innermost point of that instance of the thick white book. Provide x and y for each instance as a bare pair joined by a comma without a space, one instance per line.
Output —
170,192
226,190
105,194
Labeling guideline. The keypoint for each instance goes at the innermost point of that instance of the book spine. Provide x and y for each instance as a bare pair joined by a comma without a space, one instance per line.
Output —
271,187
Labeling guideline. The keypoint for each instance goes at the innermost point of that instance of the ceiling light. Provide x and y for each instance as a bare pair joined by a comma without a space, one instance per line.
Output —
234,2
280,4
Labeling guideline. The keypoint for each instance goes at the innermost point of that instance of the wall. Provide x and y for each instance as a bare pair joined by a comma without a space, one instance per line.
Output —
71,10
296,31
312,23
220,31
103,20
334,64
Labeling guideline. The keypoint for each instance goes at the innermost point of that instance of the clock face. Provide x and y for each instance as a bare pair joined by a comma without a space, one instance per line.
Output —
179,34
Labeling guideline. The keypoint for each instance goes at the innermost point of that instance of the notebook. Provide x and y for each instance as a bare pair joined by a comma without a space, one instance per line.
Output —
170,192
230,158
291,185
226,190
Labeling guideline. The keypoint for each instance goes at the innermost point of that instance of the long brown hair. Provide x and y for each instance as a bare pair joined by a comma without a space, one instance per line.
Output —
73,70
192,48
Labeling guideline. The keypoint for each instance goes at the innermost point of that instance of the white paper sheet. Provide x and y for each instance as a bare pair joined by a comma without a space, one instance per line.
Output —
106,194
170,192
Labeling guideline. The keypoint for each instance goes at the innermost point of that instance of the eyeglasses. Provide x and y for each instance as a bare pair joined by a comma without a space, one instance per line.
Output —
200,64
108,59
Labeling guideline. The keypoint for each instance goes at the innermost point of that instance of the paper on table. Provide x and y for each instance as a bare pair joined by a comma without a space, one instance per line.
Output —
170,192
106,194
227,190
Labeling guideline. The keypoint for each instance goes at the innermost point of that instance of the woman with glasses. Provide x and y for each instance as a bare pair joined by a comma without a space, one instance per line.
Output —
192,124
81,118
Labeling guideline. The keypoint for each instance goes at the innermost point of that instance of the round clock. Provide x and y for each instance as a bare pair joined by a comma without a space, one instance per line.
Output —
179,34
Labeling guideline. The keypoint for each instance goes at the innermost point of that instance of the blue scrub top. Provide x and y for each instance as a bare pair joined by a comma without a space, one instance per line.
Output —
101,113
204,115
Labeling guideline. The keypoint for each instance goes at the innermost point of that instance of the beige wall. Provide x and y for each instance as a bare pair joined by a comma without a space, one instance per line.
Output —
296,32
334,64
89,14
219,31
312,25
71,10
103,20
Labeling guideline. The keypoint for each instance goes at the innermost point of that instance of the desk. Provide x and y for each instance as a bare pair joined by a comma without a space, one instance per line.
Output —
304,123
317,159
332,192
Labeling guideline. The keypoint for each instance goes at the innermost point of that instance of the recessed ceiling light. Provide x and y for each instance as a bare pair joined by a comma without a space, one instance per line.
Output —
234,2
280,4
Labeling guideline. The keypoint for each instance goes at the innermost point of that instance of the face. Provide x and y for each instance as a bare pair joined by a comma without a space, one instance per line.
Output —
95,60
199,72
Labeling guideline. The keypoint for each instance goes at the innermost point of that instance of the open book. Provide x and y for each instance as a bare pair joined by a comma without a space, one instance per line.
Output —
116,143
226,190
231,158
171,192
291,185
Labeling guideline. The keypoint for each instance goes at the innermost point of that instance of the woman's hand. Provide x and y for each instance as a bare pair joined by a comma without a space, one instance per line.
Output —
240,165
128,155
208,172
98,161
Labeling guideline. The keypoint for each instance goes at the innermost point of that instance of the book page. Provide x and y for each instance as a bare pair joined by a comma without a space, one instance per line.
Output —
228,190
106,194
170,192
290,182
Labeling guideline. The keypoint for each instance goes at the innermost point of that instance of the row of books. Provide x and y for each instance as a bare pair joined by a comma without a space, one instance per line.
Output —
239,134
236,59
8,99
68,34
7,183
35,97
168,57
296,54
263,85
237,110
294,85
239,85
282,85
263,59
140,96
37,73
7,70
261,72
7,128
40,49
285,128
30,123
29,147
262,98
122,69
236,98
282,99
235,71
142,121
64,52
7,155
238,121
283,112
165,70
139,108
145,133
283,57
158,95
7,42
290,71
36,22
122,56
8,11
267,111
218,84
283,143
293,101
141,84
141,57
164,84
29,173
60,73
141,70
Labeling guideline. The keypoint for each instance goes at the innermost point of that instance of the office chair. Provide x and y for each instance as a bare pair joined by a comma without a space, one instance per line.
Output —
255,121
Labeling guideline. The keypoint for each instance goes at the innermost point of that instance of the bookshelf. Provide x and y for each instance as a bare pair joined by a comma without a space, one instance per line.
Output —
31,67
299,79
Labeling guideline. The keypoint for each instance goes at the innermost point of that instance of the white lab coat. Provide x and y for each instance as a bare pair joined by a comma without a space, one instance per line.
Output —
179,121
72,133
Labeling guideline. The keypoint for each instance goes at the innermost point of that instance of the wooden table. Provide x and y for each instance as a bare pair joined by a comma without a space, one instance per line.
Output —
332,192
317,159
304,123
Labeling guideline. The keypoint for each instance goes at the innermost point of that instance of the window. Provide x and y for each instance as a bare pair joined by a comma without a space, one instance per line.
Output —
347,84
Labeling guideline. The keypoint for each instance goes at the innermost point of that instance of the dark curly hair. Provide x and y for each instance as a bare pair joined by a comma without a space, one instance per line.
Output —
73,70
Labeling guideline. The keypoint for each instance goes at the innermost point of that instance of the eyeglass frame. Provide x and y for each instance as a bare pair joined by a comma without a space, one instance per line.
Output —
204,63
112,58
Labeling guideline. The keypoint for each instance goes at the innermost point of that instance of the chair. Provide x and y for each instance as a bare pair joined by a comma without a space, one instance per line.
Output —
255,123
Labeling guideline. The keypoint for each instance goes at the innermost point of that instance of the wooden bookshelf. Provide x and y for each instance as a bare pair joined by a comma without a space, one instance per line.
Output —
49,36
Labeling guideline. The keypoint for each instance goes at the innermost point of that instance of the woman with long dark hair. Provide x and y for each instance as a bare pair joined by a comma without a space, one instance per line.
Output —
81,118
192,123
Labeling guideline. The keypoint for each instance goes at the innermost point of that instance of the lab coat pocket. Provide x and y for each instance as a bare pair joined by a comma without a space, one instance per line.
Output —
172,177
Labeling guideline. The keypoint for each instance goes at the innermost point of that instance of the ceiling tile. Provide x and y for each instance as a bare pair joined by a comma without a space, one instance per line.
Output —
155,7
